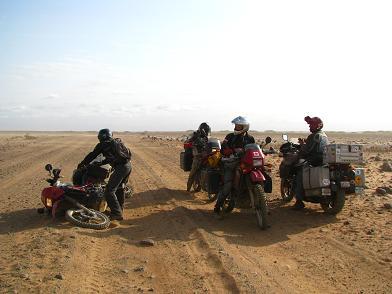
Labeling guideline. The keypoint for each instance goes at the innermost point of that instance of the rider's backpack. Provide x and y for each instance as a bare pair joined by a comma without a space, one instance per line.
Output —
121,150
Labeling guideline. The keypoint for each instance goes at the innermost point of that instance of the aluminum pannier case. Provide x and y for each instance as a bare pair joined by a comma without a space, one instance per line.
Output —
343,153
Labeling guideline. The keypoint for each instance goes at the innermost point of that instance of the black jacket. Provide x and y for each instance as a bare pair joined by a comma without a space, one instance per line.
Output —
107,149
237,141
199,141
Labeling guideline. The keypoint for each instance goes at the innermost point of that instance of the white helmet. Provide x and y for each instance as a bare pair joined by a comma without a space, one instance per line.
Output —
241,125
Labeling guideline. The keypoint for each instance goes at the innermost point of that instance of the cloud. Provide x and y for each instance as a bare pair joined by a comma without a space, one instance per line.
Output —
177,107
14,111
52,97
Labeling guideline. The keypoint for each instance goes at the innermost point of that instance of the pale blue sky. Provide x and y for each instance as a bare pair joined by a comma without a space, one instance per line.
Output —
169,65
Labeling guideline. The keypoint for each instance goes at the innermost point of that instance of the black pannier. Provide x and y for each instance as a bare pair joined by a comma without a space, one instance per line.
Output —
93,172
98,173
186,159
210,179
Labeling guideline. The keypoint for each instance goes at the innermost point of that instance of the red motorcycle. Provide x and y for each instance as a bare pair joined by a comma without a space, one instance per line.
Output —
83,205
251,181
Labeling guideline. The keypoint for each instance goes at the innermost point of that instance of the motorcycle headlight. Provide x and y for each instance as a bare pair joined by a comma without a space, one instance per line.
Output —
49,202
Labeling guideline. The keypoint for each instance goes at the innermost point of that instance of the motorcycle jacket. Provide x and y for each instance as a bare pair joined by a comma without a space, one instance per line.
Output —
232,141
313,148
108,150
199,142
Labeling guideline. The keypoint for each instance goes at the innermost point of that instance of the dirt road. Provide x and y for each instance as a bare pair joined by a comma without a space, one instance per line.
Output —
303,252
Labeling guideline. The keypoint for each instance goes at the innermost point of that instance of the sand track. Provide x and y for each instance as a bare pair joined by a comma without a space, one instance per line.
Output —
303,252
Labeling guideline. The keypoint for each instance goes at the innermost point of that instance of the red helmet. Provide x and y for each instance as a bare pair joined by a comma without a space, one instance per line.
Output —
315,123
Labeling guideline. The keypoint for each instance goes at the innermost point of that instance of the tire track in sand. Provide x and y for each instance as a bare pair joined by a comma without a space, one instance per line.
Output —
198,252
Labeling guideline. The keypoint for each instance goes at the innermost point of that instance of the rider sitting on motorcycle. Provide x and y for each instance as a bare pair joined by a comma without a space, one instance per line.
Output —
118,156
232,142
311,151
199,141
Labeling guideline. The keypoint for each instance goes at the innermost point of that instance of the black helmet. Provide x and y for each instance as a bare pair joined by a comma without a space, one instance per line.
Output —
104,135
204,129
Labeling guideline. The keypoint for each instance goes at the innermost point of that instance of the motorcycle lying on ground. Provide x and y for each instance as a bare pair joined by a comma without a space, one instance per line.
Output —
327,184
83,205
251,181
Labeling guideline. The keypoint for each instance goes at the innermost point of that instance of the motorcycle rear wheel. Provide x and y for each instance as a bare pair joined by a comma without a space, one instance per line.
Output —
286,190
261,206
79,218
336,204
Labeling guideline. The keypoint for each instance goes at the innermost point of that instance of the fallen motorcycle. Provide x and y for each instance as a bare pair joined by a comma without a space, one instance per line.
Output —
83,205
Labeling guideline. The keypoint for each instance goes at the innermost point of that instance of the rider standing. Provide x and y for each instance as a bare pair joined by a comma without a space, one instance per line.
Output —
199,141
312,151
118,156
236,140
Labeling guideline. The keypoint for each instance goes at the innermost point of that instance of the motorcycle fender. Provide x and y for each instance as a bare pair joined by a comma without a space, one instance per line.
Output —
257,176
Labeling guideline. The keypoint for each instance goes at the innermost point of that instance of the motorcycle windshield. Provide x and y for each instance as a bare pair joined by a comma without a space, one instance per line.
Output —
214,143
253,147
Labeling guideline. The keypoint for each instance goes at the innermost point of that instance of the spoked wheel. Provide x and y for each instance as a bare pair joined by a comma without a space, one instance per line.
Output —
96,221
286,190
261,207
336,204
196,183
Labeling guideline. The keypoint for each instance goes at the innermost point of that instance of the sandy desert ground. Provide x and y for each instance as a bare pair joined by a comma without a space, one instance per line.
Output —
303,252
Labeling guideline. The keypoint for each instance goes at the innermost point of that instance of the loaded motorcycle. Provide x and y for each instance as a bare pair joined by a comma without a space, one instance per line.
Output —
208,176
83,205
250,182
327,184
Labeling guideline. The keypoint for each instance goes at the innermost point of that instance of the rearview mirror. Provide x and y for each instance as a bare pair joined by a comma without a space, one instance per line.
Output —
285,137
48,167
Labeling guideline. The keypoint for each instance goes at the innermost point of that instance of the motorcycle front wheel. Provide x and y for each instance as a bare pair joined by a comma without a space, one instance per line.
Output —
197,182
336,204
260,206
286,190
80,218
212,196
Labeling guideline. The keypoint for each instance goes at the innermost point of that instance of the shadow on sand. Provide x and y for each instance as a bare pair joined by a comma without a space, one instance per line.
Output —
239,227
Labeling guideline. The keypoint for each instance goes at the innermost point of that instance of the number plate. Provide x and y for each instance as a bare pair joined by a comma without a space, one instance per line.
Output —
345,184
